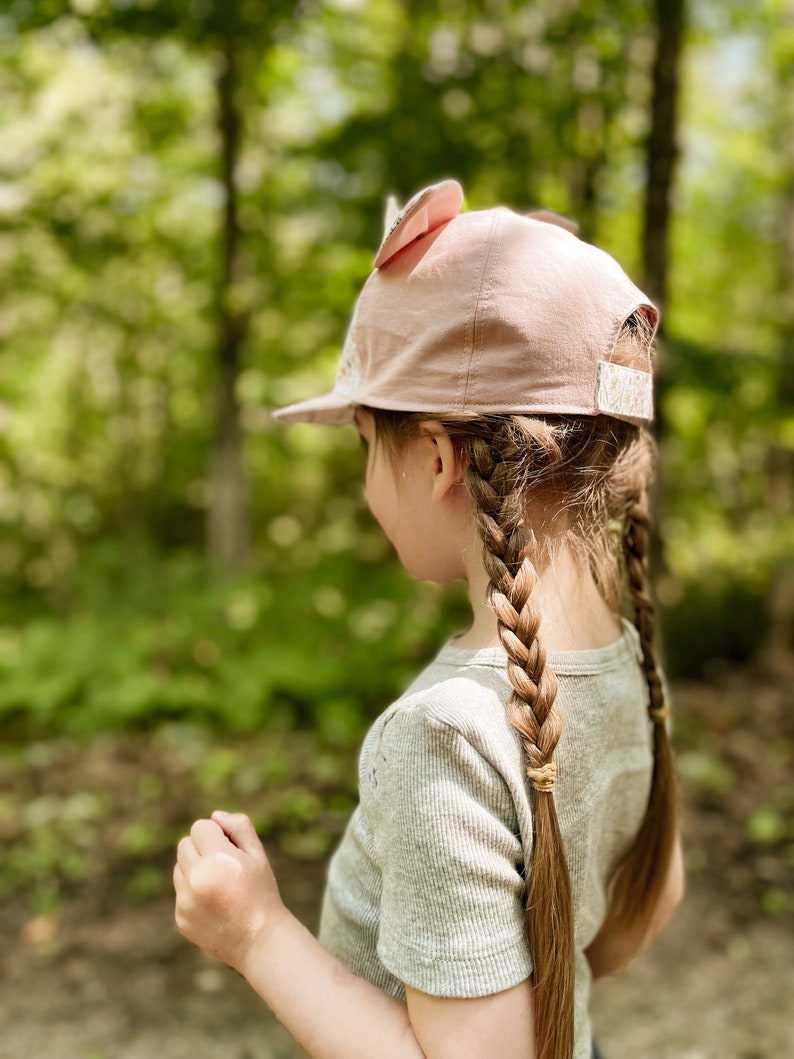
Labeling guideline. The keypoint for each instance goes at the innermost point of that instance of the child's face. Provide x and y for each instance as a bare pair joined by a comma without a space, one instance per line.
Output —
399,492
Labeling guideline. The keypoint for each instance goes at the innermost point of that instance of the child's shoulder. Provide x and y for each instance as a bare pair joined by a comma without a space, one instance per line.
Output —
449,731
466,691
459,695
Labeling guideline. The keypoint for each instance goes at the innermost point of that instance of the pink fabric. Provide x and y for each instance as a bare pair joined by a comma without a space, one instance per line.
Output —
487,311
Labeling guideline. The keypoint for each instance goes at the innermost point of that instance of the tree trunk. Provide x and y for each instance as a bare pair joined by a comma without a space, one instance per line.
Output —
662,150
591,119
227,516
779,654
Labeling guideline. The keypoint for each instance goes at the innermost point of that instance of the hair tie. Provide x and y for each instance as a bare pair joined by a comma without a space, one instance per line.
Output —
659,715
543,778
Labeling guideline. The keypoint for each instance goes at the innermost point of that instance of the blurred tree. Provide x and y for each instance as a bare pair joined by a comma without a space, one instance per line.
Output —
228,527
781,454
190,198
106,228
662,149
233,35
230,38
524,104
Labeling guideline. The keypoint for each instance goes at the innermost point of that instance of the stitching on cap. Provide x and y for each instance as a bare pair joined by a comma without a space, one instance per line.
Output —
465,383
468,343
490,265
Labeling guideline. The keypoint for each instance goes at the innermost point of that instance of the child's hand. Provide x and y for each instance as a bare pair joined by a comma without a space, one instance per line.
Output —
226,893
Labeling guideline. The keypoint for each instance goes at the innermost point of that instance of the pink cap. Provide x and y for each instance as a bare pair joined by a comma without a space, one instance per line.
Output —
487,311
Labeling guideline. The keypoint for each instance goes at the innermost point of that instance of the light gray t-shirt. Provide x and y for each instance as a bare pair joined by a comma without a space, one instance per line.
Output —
427,885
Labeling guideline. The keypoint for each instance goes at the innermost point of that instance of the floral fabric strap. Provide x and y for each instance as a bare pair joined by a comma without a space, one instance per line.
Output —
624,391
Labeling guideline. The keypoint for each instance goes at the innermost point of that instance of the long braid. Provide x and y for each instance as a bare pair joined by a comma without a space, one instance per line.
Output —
594,473
532,710
642,875
635,551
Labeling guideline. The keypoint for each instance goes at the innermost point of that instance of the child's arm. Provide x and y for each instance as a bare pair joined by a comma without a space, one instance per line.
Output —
475,1028
228,904
611,951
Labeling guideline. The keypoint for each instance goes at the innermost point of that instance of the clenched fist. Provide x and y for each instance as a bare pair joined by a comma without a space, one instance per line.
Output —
226,893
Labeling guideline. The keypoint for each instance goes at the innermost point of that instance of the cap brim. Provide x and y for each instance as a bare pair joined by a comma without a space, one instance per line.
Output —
332,408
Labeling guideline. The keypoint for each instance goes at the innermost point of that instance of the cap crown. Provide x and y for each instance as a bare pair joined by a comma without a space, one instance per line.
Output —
487,311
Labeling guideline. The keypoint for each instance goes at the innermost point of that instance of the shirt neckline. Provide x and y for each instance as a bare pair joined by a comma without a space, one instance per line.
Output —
589,660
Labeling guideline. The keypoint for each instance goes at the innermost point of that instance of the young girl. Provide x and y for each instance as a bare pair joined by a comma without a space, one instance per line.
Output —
516,834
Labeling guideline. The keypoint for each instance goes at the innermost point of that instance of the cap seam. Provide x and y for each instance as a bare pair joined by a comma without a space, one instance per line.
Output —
494,244
470,329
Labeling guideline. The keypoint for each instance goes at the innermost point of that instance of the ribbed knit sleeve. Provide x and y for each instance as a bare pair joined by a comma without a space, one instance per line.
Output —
446,841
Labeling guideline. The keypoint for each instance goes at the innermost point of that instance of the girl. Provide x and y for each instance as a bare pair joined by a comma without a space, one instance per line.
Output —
516,834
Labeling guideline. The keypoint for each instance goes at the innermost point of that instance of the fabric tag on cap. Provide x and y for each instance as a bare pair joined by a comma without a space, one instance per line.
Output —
624,391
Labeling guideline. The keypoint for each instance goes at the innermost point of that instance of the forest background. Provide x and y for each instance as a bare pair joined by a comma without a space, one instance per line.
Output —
195,605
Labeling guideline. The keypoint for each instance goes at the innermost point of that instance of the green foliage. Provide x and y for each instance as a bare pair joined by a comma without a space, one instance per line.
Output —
735,772
104,816
110,221
112,616
767,825
154,639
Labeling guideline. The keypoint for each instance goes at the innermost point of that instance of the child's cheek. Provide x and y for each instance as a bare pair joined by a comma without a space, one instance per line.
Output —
384,505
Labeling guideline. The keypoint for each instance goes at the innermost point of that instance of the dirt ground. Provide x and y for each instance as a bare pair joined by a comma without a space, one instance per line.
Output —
101,977
128,988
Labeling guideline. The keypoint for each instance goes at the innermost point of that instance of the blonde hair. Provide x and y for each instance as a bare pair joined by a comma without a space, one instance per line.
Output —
592,475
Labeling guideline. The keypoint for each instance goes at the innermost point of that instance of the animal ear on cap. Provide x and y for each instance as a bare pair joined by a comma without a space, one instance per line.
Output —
428,209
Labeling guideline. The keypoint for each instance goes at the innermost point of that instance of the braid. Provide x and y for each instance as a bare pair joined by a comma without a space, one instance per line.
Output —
635,550
532,710
642,875
588,475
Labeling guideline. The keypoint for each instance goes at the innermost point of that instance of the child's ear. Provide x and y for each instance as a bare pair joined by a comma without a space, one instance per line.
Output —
448,468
